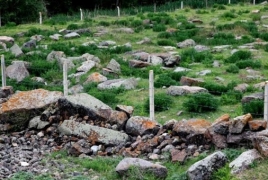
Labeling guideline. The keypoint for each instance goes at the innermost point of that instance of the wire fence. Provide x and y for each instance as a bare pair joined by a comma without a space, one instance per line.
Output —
203,106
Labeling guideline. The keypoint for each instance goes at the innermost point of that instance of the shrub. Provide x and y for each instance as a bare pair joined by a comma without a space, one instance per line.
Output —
264,36
191,55
65,47
248,63
104,23
228,15
239,55
166,42
10,24
214,88
201,102
256,17
136,23
232,69
164,35
121,22
159,28
164,80
72,27
255,108
138,29
231,97
177,75
162,102
120,49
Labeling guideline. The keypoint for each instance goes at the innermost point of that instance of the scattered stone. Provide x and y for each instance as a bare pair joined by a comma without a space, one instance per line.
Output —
186,43
123,166
203,169
95,77
6,39
184,90
138,64
30,44
243,161
238,124
71,35
257,125
16,50
190,81
252,97
130,83
178,156
17,70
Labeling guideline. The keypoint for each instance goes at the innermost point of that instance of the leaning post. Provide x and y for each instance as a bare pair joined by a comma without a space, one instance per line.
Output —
81,14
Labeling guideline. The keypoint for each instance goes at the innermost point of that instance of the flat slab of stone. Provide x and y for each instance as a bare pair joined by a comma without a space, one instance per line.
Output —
24,105
183,90
130,83
158,170
16,50
243,161
93,133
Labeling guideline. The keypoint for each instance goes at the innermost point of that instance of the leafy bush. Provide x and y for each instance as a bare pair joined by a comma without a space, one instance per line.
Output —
264,36
164,80
201,102
256,17
104,23
65,47
166,42
191,56
239,55
120,49
136,23
214,88
177,75
159,28
228,15
162,102
248,63
255,108
72,27
232,69
164,35
231,97
122,22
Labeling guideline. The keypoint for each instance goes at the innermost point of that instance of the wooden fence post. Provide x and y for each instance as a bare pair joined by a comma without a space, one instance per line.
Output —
3,71
40,18
151,93
81,14
118,11
265,113
65,82
181,4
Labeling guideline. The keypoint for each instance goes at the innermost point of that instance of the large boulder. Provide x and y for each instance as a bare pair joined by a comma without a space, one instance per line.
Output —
138,125
130,83
193,130
24,105
17,70
260,142
86,66
147,166
203,169
95,77
252,97
114,66
243,161
30,44
6,39
239,123
190,81
94,134
186,43
16,50
71,35
184,90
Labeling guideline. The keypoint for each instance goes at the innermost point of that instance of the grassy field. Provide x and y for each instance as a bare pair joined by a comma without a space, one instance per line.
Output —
224,23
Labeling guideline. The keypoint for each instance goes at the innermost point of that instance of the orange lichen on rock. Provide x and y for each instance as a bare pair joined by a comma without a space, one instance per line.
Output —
148,124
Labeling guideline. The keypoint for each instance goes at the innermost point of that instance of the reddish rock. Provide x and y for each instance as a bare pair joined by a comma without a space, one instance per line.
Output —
257,125
178,156
260,142
119,118
138,64
193,130
239,123
127,109
190,81
223,118
96,77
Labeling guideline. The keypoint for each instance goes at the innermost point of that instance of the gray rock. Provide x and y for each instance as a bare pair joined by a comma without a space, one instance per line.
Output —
186,43
125,30
241,87
4,46
243,161
76,89
204,72
17,70
107,43
30,44
183,90
16,50
114,66
93,133
37,123
130,83
124,165
181,69
155,60
252,97
138,125
55,37
6,39
138,64
171,61
191,81
71,35
55,55
203,169
201,48
86,66
145,41
143,56
239,123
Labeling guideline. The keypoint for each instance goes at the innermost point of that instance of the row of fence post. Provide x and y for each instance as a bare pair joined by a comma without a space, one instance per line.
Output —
151,88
